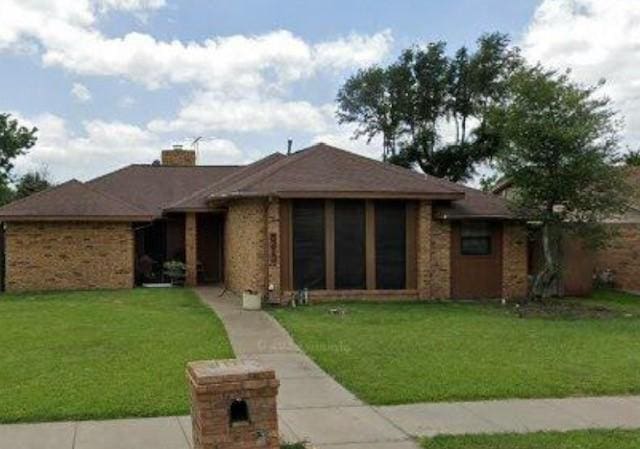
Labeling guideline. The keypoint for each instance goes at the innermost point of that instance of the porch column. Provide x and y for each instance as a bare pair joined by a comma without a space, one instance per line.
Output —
191,249
423,250
273,249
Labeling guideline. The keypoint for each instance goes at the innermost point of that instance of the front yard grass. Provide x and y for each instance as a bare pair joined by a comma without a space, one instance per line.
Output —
98,355
585,439
407,352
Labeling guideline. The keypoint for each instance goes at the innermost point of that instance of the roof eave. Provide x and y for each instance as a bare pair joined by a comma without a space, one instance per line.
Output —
93,218
451,196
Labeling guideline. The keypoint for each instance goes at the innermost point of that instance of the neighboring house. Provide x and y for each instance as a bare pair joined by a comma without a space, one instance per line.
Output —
322,219
581,265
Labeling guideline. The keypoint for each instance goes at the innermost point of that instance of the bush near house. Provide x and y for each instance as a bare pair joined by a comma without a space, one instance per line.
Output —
99,355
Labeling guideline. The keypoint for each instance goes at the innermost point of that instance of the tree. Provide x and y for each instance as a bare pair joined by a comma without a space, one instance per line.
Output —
32,182
632,158
408,102
559,144
15,140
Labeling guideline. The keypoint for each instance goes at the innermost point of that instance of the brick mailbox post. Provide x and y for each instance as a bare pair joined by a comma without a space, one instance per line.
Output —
233,405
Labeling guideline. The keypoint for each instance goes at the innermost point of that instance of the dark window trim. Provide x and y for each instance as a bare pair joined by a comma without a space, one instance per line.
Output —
466,252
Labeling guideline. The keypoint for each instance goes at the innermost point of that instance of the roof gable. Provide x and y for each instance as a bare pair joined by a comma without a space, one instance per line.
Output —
72,200
323,170
199,199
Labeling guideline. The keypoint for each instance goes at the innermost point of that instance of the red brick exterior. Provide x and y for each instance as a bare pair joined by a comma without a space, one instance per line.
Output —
179,158
622,256
440,259
69,256
245,246
514,261
214,386
191,249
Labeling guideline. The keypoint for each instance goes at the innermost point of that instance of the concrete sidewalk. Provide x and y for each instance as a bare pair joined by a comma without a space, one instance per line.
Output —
314,407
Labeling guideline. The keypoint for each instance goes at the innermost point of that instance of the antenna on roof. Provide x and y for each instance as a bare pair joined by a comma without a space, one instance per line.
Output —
289,145
196,145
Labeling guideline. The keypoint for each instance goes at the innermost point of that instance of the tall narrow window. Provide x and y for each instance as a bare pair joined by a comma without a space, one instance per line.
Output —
350,244
391,245
308,244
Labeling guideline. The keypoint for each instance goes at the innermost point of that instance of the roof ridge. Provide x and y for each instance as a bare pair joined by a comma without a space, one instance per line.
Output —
220,181
41,192
270,170
396,168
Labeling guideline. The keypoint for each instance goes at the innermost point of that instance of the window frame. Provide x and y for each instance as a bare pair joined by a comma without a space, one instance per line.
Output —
475,233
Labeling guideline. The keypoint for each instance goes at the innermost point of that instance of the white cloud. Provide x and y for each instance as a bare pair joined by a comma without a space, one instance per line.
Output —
67,33
130,5
102,147
595,39
354,51
207,112
81,92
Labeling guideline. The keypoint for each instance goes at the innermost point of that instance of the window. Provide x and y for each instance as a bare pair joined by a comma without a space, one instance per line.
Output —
391,245
475,239
308,245
350,244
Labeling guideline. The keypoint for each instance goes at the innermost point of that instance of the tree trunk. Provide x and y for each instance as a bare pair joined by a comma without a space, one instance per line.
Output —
548,282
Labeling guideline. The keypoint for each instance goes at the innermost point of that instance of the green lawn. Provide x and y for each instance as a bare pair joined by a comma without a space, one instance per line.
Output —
395,353
586,439
86,355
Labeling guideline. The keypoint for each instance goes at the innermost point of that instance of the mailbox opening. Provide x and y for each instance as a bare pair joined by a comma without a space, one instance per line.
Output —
238,412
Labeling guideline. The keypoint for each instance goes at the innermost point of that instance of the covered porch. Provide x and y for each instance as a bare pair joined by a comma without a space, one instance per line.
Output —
193,238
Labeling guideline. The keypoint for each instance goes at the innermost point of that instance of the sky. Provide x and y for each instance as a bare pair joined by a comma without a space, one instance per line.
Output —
112,82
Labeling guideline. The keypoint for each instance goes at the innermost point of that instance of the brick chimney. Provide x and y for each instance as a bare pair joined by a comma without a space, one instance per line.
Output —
177,156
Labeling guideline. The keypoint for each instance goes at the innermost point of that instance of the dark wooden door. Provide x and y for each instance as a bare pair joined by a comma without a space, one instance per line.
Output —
476,260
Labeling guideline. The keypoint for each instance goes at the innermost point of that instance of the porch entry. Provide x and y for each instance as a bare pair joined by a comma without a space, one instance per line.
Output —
165,240
348,244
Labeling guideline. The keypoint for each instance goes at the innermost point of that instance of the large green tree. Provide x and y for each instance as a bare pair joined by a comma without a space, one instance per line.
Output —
559,149
409,102
15,140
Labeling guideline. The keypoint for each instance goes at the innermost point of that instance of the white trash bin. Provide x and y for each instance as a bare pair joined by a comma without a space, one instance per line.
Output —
251,301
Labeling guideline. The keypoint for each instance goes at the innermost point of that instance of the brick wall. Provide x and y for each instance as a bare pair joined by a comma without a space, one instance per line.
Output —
423,250
514,261
440,259
69,256
191,249
273,246
622,255
245,249
179,158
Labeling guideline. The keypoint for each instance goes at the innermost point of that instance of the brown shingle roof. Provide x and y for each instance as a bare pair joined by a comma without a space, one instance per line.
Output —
476,204
146,191
72,200
200,199
152,188
323,170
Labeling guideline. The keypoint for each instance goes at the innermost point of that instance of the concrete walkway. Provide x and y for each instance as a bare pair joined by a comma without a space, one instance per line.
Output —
314,407
311,405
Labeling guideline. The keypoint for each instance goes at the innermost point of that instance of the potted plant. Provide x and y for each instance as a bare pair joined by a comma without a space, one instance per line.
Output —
175,271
